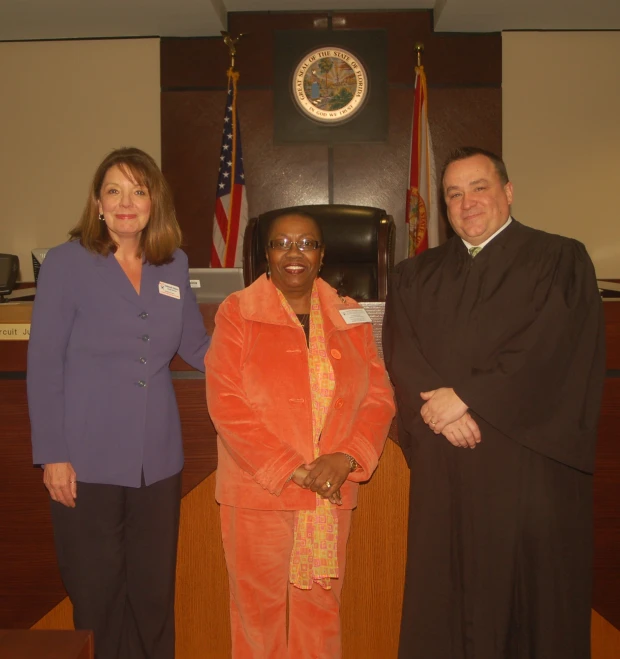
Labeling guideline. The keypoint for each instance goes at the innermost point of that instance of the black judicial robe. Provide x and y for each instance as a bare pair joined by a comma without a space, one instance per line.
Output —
500,537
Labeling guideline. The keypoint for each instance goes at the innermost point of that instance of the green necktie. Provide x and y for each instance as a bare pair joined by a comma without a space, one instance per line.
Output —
473,251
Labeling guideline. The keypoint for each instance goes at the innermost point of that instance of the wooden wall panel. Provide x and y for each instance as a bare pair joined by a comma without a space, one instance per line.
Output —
463,116
605,638
464,74
606,595
191,139
56,644
372,594
203,623
449,58
192,63
277,176
199,436
60,617
30,583
255,53
13,355
376,174
460,116
612,332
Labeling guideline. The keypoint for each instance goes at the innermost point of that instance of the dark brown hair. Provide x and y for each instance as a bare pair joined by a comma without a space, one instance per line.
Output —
162,234
464,152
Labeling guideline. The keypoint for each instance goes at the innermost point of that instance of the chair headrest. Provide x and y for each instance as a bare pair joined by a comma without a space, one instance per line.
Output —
349,232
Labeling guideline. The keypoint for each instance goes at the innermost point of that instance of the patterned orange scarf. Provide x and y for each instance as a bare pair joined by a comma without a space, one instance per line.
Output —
315,546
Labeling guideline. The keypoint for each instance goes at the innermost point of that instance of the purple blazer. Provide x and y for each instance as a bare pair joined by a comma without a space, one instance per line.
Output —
100,391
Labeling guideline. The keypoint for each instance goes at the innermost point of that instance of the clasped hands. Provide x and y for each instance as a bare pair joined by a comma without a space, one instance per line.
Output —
446,414
325,475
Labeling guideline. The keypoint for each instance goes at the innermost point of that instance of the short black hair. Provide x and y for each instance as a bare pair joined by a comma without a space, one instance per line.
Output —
464,152
307,216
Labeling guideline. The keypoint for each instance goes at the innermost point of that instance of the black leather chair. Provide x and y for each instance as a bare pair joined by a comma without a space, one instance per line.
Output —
359,248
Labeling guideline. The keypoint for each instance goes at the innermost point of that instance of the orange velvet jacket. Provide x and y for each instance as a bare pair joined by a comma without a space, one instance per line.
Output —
258,392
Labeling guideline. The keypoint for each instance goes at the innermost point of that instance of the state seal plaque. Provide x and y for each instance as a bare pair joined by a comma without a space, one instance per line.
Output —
330,85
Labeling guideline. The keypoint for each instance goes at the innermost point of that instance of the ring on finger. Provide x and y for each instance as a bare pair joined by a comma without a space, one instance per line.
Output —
327,485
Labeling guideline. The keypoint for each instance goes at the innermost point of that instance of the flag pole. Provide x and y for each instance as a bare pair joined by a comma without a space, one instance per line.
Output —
231,42
230,215
420,209
233,77
419,49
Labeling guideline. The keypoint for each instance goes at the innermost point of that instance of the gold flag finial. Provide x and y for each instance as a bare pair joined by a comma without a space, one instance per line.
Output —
231,42
419,49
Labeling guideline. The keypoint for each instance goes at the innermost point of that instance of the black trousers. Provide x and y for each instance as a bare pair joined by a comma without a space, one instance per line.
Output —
117,556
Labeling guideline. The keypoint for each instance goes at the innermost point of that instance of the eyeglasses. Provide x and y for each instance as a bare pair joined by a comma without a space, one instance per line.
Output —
284,244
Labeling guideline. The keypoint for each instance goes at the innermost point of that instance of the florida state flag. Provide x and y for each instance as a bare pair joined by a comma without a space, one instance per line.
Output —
422,214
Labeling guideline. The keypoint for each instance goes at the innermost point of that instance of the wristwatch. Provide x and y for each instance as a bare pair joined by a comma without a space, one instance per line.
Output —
353,462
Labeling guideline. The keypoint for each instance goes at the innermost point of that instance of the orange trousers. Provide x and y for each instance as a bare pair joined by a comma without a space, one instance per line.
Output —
257,545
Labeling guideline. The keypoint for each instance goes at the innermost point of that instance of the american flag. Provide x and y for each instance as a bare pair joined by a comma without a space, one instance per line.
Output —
231,206
422,212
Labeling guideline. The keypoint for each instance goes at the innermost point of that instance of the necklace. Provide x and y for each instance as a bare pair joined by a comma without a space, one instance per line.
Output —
304,319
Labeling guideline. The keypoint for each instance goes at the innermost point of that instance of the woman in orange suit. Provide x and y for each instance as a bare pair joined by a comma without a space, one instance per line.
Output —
302,406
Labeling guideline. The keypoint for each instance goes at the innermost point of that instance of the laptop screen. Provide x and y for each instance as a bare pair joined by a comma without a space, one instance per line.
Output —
213,285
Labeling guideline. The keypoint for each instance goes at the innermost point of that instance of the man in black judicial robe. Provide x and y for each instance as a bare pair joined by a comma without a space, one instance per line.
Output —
500,351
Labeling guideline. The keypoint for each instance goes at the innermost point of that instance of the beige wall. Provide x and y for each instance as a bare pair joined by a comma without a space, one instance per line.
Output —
561,136
65,104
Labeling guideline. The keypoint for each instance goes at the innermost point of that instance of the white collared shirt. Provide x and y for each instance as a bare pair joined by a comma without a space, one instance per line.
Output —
488,240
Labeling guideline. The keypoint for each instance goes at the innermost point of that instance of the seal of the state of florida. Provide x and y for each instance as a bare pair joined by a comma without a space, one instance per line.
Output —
330,85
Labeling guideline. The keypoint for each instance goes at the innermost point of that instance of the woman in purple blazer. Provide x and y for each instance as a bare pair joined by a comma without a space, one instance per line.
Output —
113,307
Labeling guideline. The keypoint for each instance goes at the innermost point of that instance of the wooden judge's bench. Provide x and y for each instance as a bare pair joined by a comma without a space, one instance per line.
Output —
32,595
46,644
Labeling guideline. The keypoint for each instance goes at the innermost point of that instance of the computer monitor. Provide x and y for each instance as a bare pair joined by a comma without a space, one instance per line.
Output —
9,268
38,255
608,289
213,285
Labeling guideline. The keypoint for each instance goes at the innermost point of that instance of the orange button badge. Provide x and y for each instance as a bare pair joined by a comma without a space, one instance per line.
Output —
335,353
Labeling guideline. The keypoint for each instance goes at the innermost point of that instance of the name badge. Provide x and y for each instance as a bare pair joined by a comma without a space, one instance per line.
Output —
170,290
353,316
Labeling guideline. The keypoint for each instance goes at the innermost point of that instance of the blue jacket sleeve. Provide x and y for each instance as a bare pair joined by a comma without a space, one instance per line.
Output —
194,339
52,321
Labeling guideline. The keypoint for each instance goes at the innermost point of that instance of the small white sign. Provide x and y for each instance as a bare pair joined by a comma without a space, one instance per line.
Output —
14,331
170,290
194,283
353,316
